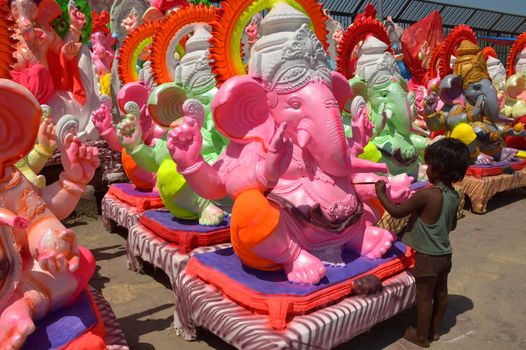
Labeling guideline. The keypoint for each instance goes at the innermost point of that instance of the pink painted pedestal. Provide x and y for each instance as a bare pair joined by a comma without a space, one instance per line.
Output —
115,339
117,213
143,244
202,305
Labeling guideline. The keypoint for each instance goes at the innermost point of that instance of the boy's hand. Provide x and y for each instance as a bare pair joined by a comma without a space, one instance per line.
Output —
380,187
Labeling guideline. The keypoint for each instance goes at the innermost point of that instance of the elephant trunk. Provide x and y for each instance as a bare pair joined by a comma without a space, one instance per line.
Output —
491,110
328,144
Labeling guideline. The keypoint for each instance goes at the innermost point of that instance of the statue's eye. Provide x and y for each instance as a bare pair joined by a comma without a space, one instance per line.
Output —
384,93
294,103
476,87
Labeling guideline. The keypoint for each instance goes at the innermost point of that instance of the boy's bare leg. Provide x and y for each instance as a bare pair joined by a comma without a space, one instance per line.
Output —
424,308
440,300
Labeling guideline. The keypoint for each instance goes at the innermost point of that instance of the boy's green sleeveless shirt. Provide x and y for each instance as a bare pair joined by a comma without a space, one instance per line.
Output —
434,239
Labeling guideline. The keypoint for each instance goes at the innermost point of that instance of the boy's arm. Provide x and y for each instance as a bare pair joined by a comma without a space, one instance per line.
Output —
412,205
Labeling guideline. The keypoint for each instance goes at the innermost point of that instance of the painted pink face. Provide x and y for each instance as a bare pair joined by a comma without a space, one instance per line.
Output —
314,123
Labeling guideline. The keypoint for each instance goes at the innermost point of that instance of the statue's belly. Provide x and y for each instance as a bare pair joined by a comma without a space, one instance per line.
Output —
336,199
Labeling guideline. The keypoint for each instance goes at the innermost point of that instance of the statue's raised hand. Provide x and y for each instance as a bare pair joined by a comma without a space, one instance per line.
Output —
102,118
362,127
76,17
78,160
185,140
57,251
430,103
278,156
71,49
46,135
129,129
131,22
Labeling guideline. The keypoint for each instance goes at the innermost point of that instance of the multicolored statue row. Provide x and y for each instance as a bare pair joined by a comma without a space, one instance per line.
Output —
471,108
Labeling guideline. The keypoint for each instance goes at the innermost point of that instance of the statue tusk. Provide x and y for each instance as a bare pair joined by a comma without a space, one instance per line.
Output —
303,137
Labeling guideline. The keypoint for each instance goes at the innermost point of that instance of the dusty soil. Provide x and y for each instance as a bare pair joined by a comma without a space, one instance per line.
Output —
487,288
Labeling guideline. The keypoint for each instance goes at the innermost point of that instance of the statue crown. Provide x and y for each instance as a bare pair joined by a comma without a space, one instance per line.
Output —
289,55
194,73
470,64
386,71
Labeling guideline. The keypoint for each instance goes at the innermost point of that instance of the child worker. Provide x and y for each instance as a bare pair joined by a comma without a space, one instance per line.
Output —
434,212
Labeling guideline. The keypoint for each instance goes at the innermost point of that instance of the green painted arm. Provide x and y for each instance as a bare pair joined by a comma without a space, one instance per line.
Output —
150,158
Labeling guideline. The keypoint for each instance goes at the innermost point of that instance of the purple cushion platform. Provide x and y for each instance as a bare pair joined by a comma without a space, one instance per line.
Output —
60,327
275,282
130,190
418,185
167,220
188,234
514,161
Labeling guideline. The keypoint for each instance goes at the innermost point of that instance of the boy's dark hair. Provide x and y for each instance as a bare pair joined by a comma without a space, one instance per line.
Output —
449,158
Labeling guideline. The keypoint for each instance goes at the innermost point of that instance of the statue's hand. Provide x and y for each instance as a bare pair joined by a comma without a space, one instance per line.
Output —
76,17
279,155
46,135
71,49
57,251
78,160
102,118
185,142
129,130
400,187
430,103
484,159
361,123
130,23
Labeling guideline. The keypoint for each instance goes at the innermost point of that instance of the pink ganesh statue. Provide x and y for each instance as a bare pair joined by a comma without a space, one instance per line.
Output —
298,187
102,52
41,267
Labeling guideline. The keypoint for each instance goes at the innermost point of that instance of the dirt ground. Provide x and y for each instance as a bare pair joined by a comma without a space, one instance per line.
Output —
487,288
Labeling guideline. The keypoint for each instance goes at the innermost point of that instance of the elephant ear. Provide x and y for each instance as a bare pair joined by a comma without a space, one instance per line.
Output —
132,92
165,104
342,91
19,122
241,111
450,88
515,85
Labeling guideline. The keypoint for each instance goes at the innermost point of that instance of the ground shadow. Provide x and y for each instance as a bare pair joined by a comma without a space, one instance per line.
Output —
98,281
212,340
108,253
390,331
157,274
503,199
133,327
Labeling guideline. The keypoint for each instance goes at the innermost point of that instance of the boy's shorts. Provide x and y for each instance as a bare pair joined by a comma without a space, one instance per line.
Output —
431,265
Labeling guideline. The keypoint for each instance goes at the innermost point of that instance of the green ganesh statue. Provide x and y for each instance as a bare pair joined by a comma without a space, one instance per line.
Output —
193,79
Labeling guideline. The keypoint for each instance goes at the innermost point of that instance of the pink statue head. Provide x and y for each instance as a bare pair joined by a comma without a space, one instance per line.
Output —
25,13
19,122
289,81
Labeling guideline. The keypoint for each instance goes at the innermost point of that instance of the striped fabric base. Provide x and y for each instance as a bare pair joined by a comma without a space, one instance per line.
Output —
116,212
144,244
480,191
115,339
201,305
